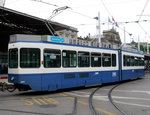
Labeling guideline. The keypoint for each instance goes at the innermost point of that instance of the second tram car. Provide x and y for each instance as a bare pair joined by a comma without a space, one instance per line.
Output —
47,66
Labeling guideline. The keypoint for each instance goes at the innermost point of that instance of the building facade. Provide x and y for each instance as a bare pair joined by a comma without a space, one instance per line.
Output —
111,39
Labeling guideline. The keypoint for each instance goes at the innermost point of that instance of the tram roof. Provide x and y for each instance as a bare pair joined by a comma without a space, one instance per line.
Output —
14,22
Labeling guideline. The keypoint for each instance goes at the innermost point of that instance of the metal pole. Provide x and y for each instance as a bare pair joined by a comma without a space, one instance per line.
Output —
124,37
138,42
99,30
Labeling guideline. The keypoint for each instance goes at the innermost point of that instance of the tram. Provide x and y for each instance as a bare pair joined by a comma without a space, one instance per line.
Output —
46,66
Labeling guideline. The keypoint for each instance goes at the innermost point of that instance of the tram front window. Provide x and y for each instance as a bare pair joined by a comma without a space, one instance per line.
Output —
29,58
13,58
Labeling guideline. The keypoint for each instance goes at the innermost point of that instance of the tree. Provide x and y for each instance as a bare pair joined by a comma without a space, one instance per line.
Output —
142,48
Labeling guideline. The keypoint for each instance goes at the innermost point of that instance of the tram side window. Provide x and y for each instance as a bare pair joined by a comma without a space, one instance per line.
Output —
136,61
132,61
96,59
113,60
127,60
83,59
124,60
29,57
106,60
140,61
13,58
52,58
69,58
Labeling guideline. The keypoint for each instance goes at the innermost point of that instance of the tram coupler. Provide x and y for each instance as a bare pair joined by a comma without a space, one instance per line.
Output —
7,86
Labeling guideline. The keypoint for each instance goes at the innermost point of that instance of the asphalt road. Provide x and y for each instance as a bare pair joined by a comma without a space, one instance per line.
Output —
133,97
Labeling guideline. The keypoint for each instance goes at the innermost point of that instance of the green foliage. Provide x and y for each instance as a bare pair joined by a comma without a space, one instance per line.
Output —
144,48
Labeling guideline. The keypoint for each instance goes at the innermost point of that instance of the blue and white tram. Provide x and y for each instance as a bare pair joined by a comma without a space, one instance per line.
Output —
132,65
46,66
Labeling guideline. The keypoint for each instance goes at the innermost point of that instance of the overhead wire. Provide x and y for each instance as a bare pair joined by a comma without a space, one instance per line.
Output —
41,1
146,3
55,5
81,14
113,18
107,12
105,7
143,9
48,25
60,6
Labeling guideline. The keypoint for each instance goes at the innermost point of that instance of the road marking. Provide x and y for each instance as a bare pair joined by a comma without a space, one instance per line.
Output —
104,111
27,102
105,98
84,103
44,100
39,101
81,92
51,100
69,97
118,97
64,95
139,105
78,95
130,91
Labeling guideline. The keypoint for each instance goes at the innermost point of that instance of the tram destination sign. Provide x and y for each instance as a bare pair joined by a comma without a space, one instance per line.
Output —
53,39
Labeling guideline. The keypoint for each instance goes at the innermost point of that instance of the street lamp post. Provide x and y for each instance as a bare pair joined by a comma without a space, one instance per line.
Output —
98,28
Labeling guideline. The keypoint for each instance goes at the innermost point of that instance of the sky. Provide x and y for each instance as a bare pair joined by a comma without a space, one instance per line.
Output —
82,12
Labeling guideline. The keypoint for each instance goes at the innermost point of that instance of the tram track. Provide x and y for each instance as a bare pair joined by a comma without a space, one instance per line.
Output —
112,101
91,105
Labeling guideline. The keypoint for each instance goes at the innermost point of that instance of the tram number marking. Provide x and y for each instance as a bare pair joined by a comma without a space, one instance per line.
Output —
39,100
